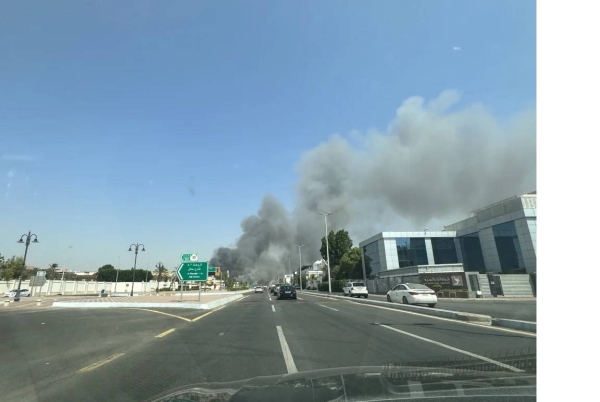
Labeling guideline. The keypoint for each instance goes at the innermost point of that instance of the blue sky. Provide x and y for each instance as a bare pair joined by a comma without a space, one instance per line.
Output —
165,123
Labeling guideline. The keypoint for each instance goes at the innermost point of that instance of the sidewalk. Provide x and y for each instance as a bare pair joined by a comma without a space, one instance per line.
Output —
163,299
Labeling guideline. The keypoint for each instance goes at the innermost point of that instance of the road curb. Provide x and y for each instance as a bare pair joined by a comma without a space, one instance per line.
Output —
527,326
197,306
453,315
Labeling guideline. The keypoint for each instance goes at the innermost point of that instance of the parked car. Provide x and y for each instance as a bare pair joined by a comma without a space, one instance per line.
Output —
286,292
13,293
259,289
412,293
357,289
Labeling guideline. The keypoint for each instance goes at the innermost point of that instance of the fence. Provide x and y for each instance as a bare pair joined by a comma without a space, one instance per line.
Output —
56,286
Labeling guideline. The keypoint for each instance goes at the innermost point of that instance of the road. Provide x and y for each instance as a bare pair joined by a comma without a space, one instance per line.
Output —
524,310
132,354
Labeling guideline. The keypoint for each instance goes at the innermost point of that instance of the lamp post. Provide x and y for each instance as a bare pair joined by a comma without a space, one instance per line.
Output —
117,277
300,271
27,241
325,214
136,246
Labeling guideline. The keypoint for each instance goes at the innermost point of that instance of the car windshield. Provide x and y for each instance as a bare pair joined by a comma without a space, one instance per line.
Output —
157,158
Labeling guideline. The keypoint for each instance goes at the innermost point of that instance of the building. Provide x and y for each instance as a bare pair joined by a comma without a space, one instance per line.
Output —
394,250
499,238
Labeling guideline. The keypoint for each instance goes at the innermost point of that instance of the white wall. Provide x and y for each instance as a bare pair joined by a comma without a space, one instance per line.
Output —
53,287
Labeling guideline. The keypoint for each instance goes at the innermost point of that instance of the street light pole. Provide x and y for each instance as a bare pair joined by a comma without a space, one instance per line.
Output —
325,214
300,271
28,240
137,246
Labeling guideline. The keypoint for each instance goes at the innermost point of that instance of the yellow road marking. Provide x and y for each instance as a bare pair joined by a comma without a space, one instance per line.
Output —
100,363
217,309
170,315
167,332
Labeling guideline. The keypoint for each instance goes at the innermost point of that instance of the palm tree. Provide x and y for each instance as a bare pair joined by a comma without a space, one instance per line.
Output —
51,270
160,271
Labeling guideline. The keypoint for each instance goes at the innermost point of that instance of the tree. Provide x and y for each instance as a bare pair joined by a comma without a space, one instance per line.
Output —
351,265
339,244
107,273
160,271
11,268
51,271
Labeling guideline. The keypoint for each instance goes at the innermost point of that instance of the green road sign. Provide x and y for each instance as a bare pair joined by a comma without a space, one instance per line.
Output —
193,271
189,257
212,269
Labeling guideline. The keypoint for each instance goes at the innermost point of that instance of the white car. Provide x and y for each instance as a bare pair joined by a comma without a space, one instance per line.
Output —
357,289
259,289
412,293
13,293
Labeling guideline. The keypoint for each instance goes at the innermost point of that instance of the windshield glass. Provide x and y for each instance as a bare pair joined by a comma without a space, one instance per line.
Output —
160,161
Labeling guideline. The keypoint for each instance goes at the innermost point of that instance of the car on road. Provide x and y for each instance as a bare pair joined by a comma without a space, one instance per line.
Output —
276,289
357,289
13,293
286,292
412,293
259,289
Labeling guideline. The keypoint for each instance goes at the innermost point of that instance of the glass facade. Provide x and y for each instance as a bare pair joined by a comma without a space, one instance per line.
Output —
372,251
411,251
508,247
444,250
472,256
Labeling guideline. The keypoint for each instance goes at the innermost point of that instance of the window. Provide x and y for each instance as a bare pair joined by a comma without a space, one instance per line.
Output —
472,256
444,250
508,247
357,284
400,287
372,251
411,251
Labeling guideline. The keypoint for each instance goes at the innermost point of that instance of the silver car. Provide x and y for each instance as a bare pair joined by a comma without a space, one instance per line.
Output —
13,293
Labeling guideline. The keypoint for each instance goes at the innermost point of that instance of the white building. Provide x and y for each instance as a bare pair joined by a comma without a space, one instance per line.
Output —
499,238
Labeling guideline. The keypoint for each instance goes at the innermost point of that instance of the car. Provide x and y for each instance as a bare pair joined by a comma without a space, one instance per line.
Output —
286,292
357,289
259,289
13,293
276,289
412,293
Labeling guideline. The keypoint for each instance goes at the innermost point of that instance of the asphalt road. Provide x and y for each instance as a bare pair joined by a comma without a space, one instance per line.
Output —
131,354
524,310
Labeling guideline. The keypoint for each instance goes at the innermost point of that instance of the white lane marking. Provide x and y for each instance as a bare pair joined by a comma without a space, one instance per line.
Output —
497,363
273,307
269,298
330,308
300,298
514,331
287,355
222,333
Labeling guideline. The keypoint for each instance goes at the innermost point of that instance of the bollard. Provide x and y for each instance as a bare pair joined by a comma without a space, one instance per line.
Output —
6,303
38,302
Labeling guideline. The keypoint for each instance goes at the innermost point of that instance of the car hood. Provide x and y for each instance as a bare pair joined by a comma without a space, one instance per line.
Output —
363,383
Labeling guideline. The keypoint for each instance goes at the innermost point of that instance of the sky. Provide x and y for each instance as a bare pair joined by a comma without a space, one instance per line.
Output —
165,123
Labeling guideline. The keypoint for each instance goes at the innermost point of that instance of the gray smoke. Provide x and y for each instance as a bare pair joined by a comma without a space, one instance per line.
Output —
433,164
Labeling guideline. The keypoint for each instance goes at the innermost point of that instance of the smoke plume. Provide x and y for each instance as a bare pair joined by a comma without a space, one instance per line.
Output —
436,161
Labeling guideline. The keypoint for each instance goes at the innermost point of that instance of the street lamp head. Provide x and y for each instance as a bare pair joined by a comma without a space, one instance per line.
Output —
35,240
143,248
129,248
21,241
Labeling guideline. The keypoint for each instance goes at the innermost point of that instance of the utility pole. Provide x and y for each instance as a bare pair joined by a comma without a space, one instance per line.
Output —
300,271
325,214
